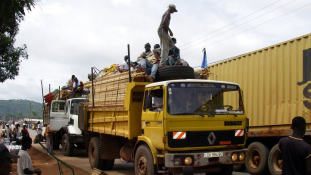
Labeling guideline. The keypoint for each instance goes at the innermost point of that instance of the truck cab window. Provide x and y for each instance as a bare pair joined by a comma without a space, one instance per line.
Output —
58,107
156,100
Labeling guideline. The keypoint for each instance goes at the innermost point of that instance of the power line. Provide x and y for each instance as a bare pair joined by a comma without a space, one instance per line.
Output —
231,23
251,28
239,25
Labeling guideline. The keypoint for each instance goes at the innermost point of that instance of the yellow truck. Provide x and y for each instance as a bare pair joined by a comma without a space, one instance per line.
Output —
164,126
276,81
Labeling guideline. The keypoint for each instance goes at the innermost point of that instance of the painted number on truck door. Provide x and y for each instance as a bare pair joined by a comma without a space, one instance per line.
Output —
306,68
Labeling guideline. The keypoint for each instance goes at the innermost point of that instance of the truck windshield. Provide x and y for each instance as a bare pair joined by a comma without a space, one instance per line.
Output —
204,99
74,106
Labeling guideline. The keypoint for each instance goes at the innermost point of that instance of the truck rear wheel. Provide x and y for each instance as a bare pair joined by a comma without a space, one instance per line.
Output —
257,159
95,158
144,161
67,147
274,161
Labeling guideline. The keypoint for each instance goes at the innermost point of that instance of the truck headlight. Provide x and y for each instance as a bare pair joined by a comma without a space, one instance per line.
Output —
177,161
242,156
188,160
234,157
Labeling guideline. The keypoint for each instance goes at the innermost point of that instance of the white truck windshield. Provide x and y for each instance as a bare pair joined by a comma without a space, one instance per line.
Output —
204,99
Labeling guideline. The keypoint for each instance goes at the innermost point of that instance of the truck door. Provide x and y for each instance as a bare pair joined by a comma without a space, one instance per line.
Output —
58,118
152,116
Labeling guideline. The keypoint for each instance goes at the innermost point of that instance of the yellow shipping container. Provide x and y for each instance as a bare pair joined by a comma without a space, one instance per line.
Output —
276,81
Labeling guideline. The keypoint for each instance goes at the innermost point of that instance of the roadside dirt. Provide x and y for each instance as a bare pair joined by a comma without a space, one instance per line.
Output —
47,164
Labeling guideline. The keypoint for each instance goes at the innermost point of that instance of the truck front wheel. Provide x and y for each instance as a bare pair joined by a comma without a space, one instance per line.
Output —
257,159
67,147
144,161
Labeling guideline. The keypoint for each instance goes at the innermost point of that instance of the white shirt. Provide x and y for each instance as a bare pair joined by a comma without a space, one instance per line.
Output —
39,129
23,162
76,85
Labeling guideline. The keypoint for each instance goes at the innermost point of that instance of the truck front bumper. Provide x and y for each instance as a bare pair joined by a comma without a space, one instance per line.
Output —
198,159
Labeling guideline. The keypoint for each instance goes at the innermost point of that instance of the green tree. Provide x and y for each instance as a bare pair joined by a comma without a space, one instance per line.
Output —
12,12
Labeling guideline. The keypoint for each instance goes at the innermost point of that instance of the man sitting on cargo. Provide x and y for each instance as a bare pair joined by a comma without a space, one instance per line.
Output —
174,55
146,54
152,62
78,87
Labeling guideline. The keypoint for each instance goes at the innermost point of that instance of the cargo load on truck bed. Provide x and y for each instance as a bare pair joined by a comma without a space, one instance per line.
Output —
111,114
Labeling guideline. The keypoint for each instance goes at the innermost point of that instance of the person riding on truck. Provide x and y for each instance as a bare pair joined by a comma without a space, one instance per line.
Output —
151,61
78,87
174,55
165,40
146,54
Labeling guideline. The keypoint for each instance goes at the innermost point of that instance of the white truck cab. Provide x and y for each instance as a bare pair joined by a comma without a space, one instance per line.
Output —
64,125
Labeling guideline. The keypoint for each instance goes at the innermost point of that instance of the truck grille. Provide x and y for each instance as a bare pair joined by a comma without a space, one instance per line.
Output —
199,138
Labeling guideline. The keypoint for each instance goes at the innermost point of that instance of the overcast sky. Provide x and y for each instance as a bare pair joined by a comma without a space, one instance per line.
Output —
69,37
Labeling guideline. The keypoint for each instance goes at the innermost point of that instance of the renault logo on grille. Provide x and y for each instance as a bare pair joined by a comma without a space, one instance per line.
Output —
211,138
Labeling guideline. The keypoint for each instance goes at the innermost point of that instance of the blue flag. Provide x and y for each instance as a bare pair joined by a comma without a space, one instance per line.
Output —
204,61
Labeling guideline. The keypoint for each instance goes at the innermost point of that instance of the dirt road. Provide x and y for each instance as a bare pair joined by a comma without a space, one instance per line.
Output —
81,161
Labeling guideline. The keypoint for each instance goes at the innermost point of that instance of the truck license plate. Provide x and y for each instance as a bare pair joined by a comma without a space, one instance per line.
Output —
213,154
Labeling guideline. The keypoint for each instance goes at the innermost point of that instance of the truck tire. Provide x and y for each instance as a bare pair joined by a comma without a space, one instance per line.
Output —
224,170
95,158
175,72
94,154
55,141
239,167
257,159
275,165
144,161
67,147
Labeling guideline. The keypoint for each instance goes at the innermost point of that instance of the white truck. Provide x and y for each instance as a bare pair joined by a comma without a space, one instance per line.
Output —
62,116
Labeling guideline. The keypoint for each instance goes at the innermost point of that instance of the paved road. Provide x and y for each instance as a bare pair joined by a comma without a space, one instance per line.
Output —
81,160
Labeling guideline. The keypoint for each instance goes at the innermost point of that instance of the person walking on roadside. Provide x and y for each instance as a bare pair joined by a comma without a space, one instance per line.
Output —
49,139
5,160
39,131
25,131
165,40
8,131
24,164
296,153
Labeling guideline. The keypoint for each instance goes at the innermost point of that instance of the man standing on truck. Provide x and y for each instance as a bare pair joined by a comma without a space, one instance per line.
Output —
165,40
296,153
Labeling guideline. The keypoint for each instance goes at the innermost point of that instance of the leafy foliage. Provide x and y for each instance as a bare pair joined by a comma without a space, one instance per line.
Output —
12,12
